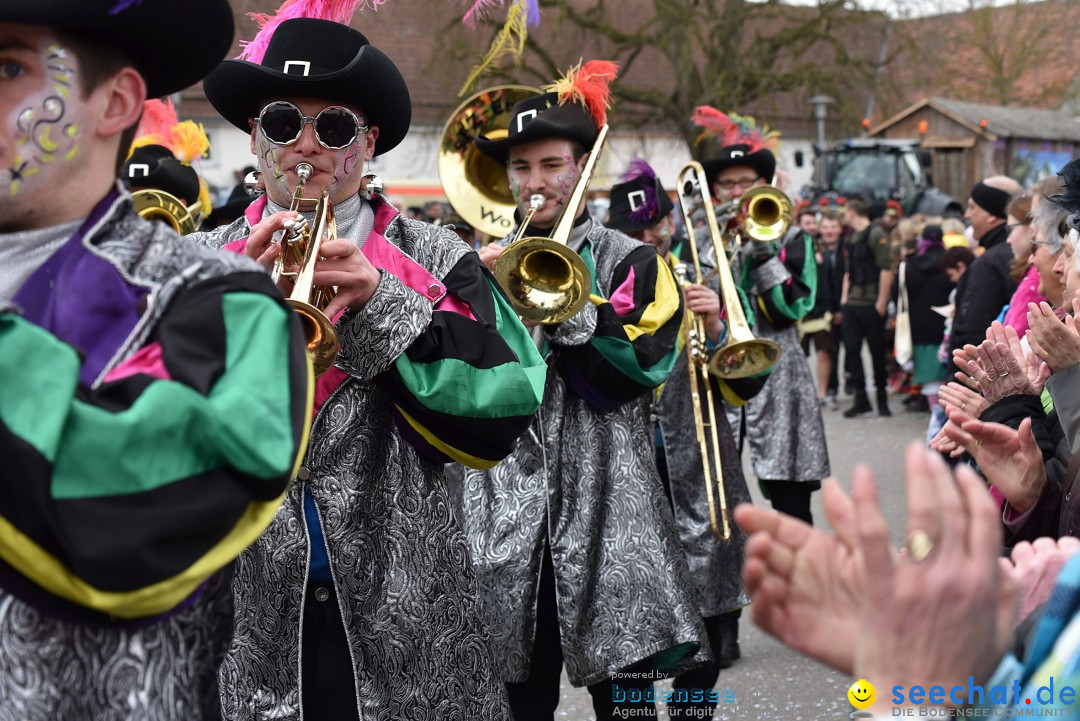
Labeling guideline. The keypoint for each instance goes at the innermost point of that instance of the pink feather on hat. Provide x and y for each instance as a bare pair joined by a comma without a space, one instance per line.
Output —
338,11
734,129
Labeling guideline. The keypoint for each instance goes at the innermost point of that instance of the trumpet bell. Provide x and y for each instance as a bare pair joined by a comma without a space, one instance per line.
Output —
322,340
474,183
744,359
546,281
765,213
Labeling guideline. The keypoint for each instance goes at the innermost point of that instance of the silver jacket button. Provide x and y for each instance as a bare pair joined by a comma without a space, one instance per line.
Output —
304,473
321,594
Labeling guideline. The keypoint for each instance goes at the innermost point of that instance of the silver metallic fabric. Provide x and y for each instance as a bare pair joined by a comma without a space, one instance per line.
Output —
783,422
715,566
406,590
583,481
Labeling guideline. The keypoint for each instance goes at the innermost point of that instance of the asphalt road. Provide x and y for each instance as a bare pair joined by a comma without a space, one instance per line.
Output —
771,681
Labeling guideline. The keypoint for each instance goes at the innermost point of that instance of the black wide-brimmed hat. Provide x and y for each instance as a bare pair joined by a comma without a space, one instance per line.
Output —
538,118
762,161
638,204
144,30
155,166
313,58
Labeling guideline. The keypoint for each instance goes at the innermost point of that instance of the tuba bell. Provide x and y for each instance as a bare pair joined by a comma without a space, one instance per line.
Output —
165,207
475,184
300,246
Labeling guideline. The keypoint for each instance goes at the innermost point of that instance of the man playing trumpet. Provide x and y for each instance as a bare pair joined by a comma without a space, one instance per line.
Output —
365,568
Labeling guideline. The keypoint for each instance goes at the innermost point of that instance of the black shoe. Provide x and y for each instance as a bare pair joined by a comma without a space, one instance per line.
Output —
861,407
883,404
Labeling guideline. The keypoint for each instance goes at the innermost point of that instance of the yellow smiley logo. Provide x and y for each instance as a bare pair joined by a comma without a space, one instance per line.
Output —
862,694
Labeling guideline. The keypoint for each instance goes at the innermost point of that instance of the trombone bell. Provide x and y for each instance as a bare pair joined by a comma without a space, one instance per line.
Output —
545,280
765,213
167,208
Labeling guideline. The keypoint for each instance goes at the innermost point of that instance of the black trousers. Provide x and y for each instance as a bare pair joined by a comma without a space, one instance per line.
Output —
792,497
329,689
537,698
861,324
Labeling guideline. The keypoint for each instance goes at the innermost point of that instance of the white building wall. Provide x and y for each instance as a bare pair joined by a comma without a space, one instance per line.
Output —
410,169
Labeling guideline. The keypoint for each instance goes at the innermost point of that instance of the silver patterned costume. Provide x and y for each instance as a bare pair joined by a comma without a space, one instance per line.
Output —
583,481
715,566
407,592
782,422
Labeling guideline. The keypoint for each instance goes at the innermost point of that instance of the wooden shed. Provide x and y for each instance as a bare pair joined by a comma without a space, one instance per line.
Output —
970,141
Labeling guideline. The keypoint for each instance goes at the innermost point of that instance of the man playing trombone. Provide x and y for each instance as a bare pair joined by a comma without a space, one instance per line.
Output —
641,208
783,422
574,543
361,593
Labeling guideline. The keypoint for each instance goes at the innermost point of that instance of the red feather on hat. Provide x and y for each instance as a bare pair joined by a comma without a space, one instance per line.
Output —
590,85
734,129
338,11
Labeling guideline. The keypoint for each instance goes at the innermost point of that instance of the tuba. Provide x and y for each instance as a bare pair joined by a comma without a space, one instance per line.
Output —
165,207
545,281
475,184
300,246
741,356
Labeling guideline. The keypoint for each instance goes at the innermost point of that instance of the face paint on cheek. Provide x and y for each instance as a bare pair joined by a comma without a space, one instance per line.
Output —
268,153
568,179
47,134
515,191
348,161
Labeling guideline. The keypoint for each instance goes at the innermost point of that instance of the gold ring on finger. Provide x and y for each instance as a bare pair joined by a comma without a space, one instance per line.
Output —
919,545
1002,375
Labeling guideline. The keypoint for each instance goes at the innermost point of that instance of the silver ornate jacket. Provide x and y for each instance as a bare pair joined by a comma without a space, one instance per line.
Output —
583,481
715,566
783,422
407,592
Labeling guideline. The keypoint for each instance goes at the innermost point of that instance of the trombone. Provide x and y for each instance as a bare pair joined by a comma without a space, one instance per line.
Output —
764,213
545,281
300,246
742,355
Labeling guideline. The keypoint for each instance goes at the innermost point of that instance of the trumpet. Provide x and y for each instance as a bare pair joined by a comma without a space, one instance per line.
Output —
545,281
300,247
742,355
764,213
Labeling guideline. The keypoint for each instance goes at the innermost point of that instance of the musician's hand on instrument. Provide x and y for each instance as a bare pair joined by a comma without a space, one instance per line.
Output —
344,266
260,243
489,254
706,303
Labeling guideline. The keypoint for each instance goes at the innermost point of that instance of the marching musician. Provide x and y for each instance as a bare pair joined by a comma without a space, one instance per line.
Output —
574,543
642,209
782,422
132,364
359,601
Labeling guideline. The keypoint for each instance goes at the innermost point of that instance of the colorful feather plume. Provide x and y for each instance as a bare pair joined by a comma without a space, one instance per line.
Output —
338,11
509,41
159,116
650,208
160,126
588,84
734,129
188,141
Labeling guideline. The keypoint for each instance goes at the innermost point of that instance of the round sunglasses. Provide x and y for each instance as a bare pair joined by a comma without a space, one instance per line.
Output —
335,127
